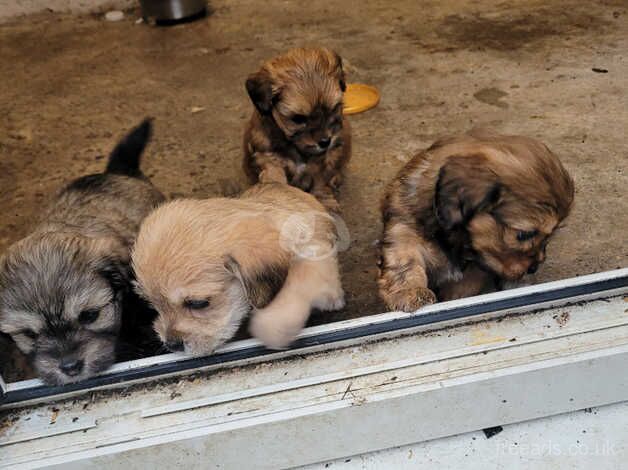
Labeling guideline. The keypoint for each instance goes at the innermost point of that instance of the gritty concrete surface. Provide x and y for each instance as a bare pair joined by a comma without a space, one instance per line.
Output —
12,9
72,85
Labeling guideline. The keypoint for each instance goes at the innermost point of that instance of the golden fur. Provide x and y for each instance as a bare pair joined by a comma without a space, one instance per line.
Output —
297,133
467,213
204,264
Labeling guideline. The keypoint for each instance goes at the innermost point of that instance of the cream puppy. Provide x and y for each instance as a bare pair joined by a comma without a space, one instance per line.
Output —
205,264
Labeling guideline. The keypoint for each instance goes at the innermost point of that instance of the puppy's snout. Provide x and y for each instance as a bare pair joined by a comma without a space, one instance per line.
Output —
324,143
533,267
71,366
174,345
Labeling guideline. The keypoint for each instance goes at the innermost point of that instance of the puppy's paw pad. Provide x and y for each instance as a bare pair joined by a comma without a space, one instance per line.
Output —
271,331
409,300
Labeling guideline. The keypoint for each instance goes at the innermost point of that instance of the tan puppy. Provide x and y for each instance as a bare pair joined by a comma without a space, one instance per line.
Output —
467,213
204,264
297,133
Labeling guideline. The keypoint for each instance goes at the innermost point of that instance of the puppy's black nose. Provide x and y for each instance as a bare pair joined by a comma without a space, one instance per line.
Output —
174,345
324,143
533,268
71,366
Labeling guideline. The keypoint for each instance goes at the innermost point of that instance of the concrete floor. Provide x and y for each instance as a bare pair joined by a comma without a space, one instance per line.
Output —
71,85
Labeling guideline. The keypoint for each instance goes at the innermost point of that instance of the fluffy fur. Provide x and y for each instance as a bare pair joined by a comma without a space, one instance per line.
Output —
204,264
297,133
466,214
62,287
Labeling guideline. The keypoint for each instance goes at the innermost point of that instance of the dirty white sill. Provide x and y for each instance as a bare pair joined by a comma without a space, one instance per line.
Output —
332,336
331,404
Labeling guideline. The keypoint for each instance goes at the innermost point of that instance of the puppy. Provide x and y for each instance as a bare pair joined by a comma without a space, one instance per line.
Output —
467,213
297,133
204,264
62,287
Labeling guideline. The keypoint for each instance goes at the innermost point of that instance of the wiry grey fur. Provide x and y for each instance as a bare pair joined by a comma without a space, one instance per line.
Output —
77,260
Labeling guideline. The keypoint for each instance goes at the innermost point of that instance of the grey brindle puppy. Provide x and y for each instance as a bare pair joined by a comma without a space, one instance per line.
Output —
62,287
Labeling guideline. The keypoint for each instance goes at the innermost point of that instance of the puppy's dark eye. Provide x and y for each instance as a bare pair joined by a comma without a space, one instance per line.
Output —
299,119
196,304
88,316
29,334
523,235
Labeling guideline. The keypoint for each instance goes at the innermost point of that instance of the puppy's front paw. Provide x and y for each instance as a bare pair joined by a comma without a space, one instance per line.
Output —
329,202
273,174
272,331
409,300
335,182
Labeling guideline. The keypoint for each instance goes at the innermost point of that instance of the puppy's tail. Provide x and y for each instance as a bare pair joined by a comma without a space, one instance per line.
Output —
126,156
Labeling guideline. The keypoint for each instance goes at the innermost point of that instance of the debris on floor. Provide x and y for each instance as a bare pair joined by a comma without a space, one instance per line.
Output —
114,15
490,432
562,319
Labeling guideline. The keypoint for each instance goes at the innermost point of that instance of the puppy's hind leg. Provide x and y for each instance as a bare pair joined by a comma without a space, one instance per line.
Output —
309,284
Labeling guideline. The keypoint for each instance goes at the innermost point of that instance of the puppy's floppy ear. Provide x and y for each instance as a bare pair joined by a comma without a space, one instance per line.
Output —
259,287
341,72
465,186
232,266
138,290
260,88
111,261
116,272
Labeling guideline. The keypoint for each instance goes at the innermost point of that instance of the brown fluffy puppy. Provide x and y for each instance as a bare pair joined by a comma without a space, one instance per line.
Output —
62,287
297,133
467,213
204,264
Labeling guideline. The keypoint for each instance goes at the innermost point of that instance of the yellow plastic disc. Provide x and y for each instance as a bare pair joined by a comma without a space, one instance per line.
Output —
359,98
